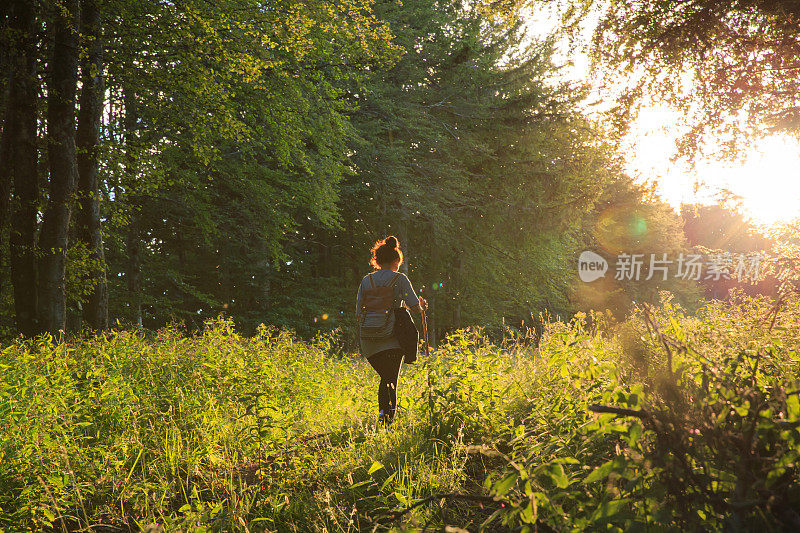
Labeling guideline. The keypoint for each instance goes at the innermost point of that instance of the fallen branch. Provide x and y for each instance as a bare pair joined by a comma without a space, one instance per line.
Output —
447,496
597,408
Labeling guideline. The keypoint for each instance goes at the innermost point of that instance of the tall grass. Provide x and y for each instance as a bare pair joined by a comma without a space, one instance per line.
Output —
219,432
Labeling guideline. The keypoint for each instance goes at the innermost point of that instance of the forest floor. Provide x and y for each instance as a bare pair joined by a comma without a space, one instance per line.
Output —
667,421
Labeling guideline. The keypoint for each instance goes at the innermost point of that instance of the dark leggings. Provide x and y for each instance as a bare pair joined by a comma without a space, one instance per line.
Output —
387,365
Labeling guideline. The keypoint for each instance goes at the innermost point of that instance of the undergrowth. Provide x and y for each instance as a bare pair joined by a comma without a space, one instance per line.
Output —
664,422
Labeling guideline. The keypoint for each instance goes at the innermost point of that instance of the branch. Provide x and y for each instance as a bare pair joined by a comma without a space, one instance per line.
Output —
597,408
448,496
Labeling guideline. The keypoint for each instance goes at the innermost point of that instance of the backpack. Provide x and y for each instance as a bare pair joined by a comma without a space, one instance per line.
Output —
377,313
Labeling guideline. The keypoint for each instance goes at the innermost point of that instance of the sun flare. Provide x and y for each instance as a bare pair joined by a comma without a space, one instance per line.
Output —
766,179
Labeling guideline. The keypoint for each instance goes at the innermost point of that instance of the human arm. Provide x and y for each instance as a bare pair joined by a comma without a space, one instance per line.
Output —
412,301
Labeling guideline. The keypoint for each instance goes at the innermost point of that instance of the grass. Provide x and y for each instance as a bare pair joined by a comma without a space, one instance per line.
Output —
218,432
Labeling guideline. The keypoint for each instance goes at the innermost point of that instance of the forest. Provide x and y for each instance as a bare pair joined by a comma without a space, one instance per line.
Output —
189,190
221,159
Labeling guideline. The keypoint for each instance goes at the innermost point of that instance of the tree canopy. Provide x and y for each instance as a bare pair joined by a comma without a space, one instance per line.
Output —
239,158
730,67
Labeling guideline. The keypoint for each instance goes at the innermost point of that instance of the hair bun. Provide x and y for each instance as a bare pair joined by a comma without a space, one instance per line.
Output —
386,253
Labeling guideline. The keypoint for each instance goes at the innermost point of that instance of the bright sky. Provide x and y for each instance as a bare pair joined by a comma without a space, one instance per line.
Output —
767,178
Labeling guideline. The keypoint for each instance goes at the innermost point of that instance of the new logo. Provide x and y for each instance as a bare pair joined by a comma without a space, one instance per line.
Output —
591,266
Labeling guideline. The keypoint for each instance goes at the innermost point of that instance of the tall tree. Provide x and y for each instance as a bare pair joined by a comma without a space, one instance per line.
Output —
467,147
54,235
240,140
7,52
95,309
133,241
721,226
20,147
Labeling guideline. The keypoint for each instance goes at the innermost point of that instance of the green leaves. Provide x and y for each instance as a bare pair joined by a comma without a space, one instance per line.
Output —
666,438
609,509
376,465
555,472
793,407
645,47
229,122
616,464
227,431
504,485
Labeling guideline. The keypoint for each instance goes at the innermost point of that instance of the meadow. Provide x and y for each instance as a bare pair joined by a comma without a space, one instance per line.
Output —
668,421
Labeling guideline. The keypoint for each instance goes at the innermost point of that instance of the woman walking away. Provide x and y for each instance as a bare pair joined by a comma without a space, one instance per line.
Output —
380,296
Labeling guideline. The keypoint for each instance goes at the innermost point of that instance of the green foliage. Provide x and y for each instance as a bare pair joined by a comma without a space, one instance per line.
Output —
250,154
227,132
482,165
722,226
79,282
729,66
703,436
629,218
219,432
140,428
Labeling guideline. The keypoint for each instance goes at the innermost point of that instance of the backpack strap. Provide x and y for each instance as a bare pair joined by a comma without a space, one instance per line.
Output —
372,282
391,284
363,307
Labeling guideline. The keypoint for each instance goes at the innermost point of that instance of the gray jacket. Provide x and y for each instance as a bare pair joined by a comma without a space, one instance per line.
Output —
403,291
403,294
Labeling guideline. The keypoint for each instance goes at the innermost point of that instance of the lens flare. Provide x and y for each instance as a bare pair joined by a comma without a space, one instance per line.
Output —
623,229
637,225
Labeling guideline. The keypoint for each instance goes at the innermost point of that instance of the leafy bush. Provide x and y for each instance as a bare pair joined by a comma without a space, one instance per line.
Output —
666,421
703,437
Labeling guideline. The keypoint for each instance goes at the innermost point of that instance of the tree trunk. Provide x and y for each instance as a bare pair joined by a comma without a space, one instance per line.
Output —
457,307
402,236
95,308
133,271
21,169
7,145
8,54
54,236
265,283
